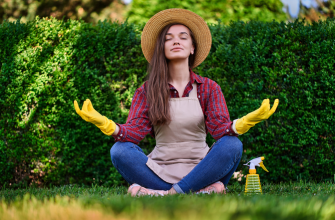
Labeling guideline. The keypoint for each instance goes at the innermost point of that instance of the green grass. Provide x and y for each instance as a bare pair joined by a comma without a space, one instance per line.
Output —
300,200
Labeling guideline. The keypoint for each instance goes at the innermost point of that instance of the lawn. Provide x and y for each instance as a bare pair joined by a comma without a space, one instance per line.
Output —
296,200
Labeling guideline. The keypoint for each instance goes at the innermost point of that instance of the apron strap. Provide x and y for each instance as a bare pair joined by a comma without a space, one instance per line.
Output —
193,93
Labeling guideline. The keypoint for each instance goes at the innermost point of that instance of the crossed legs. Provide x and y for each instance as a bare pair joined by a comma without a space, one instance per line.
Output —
218,165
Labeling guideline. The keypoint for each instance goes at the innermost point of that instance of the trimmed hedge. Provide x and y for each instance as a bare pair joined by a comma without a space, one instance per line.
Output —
47,63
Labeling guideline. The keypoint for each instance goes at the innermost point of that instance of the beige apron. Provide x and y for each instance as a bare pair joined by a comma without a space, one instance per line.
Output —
180,145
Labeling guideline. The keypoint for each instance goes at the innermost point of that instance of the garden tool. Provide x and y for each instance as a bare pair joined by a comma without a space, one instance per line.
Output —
253,184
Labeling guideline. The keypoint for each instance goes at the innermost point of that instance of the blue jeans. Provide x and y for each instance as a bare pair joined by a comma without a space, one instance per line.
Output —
218,165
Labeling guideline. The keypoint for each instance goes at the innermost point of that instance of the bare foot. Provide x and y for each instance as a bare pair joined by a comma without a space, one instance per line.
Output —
172,191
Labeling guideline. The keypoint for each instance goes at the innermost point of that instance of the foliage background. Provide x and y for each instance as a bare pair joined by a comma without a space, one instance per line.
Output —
139,11
324,10
45,64
225,10
87,10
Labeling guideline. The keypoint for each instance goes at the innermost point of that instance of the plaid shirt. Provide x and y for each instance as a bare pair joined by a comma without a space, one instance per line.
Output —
211,99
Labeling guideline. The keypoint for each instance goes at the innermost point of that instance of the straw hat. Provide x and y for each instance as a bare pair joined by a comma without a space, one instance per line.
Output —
188,18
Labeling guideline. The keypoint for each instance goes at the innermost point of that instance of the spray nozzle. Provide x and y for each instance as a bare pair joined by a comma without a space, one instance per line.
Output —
256,162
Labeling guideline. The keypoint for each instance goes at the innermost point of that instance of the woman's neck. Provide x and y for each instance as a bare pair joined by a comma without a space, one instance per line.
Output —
179,73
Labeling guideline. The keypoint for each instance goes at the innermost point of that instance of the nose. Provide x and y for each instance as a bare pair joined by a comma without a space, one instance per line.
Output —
176,43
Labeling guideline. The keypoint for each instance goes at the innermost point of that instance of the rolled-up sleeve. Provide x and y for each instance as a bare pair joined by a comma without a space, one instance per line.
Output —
138,124
217,116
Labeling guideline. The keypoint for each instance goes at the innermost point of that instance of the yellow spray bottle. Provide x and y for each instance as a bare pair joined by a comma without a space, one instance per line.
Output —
253,184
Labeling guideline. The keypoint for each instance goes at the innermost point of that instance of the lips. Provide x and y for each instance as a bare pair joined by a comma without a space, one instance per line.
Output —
177,48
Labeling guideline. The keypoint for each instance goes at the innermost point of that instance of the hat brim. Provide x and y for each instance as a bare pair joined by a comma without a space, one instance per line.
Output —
188,18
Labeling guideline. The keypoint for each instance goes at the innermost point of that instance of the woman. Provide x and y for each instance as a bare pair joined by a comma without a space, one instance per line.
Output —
178,108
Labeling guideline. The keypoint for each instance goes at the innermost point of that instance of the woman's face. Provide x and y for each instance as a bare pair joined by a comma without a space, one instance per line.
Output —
178,43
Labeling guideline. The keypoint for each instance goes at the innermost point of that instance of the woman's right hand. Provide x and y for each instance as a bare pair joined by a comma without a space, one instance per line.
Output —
89,114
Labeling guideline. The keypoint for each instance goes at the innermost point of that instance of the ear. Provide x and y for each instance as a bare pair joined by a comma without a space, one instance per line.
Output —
192,49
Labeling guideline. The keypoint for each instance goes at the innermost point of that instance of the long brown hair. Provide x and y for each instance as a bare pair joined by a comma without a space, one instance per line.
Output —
158,90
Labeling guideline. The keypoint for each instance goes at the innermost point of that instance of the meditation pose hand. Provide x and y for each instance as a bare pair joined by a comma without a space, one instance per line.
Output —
248,121
89,114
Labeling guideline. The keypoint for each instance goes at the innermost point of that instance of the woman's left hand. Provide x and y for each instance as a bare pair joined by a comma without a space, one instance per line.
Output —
263,113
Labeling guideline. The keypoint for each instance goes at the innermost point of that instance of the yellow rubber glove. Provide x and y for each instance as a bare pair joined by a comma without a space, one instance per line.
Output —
248,121
89,114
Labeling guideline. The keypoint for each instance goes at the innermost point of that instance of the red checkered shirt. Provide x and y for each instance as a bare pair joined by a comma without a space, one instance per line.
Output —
211,99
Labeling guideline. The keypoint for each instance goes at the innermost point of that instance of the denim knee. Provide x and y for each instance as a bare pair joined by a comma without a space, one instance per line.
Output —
231,144
238,147
120,149
117,151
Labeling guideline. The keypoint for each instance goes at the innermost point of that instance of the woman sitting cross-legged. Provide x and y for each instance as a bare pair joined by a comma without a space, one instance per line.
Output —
178,108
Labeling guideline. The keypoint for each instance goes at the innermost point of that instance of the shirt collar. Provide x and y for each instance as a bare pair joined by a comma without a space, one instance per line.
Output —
195,77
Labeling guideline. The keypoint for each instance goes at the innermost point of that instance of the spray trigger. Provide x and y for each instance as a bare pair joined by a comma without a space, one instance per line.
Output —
256,162
262,165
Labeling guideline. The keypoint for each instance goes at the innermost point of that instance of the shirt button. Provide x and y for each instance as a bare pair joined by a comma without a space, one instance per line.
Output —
118,138
227,130
175,91
199,96
121,135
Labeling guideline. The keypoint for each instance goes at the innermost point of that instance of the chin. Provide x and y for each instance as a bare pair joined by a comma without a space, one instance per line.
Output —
175,58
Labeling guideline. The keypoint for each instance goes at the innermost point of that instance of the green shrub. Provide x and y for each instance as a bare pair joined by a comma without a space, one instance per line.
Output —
46,64
294,63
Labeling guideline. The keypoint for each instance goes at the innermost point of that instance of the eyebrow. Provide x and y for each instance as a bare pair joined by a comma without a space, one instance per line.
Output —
179,33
